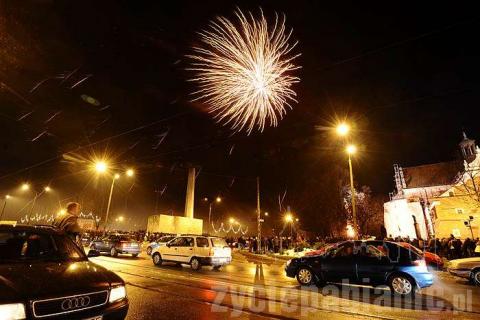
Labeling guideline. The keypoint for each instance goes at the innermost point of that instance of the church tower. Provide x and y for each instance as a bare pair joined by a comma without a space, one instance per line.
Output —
468,148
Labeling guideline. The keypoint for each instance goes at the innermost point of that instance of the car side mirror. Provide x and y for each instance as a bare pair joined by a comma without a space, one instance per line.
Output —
93,253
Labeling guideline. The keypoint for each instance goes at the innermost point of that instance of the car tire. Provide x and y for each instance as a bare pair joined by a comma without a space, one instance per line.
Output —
305,276
401,285
216,268
157,259
113,252
195,264
134,255
476,277
149,250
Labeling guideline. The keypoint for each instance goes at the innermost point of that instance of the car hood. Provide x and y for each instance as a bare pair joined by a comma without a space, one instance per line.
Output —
22,281
465,263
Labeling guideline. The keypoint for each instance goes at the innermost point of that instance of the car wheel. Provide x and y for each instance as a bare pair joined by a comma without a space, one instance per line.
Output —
113,252
216,268
304,276
195,264
157,259
149,250
134,255
476,277
401,285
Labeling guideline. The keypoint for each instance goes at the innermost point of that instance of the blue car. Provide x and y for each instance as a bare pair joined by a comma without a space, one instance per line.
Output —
371,263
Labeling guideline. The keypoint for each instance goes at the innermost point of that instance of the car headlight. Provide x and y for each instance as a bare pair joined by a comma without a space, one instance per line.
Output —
117,293
12,311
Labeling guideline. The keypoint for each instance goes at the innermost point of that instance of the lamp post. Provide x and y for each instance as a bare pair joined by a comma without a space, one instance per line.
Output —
351,149
102,167
217,199
4,205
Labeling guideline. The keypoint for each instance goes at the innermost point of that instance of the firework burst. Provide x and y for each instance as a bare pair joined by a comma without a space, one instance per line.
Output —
244,71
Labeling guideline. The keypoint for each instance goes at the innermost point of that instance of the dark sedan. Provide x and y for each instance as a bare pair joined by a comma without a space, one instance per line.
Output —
45,275
117,243
364,262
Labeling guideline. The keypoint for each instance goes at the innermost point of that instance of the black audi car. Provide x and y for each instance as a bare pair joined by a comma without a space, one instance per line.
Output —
366,263
45,275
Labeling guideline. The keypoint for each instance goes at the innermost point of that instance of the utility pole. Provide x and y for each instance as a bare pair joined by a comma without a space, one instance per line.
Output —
259,223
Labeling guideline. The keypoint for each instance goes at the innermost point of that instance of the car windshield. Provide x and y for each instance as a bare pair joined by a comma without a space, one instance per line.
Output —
18,246
219,242
164,239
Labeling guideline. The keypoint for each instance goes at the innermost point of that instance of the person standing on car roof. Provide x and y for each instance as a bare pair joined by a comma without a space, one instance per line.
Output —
68,222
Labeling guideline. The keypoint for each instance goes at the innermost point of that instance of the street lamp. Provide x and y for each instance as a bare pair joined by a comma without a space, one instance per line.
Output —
232,220
25,187
130,172
343,129
116,176
100,166
47,189
4,205
218,199
351,150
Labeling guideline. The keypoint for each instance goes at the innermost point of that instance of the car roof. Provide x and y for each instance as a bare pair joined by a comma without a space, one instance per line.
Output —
30,228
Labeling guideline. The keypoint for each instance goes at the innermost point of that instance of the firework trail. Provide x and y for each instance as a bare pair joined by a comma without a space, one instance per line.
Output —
244,72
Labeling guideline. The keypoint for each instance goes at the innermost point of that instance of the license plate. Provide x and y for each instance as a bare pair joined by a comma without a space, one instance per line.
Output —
95,318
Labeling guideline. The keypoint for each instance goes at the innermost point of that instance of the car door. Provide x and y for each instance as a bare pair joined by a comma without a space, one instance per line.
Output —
185,251
171,250
339,264
373,263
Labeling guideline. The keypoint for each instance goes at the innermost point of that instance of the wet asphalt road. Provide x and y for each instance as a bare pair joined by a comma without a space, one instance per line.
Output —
256,288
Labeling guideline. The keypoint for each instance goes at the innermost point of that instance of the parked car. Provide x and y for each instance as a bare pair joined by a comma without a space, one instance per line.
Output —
157,243
430,258
115,244
197,251
468,268
44,274
381,262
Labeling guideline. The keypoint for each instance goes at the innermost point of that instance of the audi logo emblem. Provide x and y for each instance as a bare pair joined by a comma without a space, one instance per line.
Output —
75,303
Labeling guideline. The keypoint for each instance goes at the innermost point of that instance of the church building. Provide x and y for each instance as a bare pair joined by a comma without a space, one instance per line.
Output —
437,200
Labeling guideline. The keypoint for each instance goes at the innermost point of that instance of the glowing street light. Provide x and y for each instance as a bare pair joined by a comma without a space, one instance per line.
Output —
266,214
47,189
218,199
25,187
116,176
288,218
343,129
351,149
120,219
101,166
7,196
231,220
130,172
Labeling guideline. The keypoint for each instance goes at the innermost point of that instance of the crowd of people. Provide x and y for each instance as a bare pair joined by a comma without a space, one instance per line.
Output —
449,248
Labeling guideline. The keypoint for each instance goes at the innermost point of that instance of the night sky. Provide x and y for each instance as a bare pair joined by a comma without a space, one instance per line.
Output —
406,75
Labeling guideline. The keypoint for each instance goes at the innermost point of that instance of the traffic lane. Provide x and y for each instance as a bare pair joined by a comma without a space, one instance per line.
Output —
221,303
242,270
148,303
301,300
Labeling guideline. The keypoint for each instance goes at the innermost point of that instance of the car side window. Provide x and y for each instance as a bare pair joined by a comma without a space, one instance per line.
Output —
202,242
178,242
344,251
372,251
189,242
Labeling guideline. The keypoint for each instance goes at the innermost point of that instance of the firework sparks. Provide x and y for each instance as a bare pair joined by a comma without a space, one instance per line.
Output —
244,72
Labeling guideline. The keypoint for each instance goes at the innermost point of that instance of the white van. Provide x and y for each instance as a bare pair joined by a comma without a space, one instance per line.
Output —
197,251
